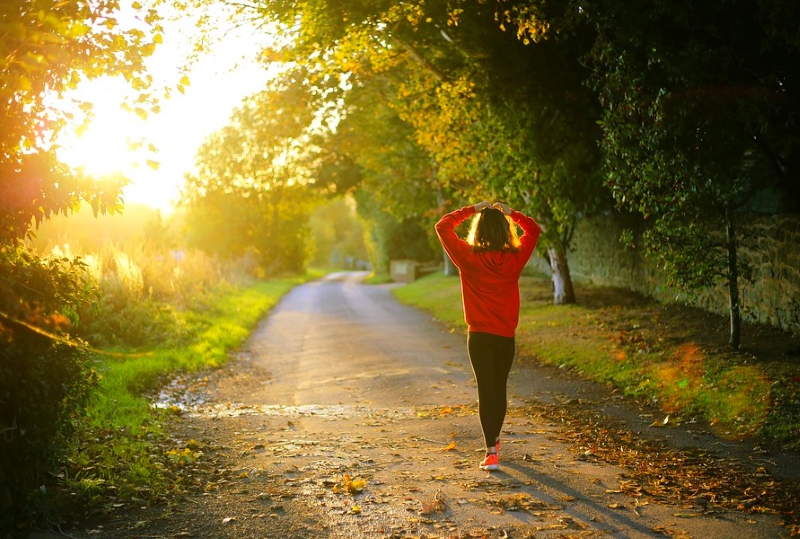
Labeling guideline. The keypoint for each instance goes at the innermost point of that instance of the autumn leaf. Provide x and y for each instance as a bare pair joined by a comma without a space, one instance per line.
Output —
350,485
660,423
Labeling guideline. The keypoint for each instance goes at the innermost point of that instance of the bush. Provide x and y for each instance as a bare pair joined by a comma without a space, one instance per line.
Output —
44,377
43,387
141,292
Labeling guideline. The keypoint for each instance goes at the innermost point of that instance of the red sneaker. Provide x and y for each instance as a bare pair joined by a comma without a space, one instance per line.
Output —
491,462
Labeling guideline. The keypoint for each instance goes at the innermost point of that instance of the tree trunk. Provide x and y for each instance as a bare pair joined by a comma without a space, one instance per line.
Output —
733,279
563,291
450,269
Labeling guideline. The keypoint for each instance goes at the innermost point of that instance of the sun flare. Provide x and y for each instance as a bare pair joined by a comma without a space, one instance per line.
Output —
107,145
156,150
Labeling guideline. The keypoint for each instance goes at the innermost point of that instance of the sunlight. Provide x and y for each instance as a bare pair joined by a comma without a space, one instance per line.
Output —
156,152
107,145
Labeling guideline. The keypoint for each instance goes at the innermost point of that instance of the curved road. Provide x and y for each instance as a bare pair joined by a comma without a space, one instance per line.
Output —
349,416
336,340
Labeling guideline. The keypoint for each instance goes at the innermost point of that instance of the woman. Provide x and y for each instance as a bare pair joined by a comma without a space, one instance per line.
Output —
490,263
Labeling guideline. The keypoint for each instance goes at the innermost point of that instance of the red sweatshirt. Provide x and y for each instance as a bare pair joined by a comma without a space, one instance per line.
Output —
489,279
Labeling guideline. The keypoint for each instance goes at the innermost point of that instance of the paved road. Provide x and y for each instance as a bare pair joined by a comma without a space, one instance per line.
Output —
348,415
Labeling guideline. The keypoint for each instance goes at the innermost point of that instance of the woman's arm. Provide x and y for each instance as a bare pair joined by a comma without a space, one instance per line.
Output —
446,230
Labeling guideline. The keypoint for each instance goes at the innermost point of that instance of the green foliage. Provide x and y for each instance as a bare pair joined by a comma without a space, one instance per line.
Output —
49,47
711,123
249,195
337,234
142,291
43,381
394,183
438,107
389,238
43,389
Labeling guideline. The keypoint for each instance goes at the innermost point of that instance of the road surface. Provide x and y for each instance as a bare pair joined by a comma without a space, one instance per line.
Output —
348,415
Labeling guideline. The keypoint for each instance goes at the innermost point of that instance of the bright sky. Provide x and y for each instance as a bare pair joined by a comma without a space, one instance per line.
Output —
219,81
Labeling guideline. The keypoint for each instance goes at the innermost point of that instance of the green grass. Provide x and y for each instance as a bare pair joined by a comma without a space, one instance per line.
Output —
121,452
438,294
669,355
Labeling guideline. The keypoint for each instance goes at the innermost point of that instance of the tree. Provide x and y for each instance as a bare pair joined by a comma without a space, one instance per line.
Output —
338,235
250,192
396,194
489,128
701,113
49,47
522,121
46,48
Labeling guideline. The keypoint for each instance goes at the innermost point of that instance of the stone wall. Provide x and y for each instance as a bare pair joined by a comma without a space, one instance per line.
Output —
772,247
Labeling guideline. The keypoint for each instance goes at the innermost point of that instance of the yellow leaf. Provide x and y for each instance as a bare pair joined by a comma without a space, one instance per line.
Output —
357,485
185,80
158,38
153,164
449,447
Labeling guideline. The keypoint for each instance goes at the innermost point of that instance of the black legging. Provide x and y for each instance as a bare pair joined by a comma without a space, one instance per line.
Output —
491,357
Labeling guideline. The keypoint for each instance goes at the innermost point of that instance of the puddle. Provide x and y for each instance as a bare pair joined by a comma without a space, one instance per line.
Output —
189,396
182,393
335,411
196,405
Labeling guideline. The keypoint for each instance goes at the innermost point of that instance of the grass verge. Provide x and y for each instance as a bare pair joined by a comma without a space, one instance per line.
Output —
122,455
671,355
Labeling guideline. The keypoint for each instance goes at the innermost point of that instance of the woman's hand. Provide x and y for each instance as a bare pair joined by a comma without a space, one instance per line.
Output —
502,207
481,206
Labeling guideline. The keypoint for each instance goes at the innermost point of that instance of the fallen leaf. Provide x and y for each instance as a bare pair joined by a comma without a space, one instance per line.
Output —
660,423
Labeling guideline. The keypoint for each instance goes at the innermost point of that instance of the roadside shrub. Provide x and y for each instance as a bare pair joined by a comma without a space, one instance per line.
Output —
45,378
43,387
142,291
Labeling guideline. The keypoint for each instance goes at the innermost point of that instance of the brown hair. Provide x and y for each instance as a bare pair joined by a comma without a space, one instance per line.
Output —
492,230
